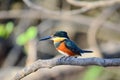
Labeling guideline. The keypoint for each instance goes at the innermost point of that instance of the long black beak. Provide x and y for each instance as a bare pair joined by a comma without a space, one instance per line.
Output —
45,38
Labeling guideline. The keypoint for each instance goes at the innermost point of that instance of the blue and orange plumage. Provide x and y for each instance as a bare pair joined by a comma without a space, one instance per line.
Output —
64,45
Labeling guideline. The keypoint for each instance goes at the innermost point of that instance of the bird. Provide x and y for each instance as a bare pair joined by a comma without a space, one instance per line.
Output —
64,44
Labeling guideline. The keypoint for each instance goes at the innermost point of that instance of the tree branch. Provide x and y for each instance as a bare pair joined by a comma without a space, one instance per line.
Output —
66,61
32,5
94,4
97,23
86,6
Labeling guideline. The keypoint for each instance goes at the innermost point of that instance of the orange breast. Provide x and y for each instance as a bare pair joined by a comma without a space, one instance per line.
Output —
64,49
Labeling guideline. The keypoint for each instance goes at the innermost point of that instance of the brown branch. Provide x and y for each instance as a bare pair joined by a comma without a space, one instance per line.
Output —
89,5
31,51
20,14
86,6
44,10
98,23
32,5
93,4
84,20
66,61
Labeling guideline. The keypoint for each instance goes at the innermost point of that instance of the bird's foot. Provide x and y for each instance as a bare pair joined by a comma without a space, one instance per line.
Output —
75,56
64,57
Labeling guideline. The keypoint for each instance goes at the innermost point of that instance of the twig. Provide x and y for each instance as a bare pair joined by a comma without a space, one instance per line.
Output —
31,51
19,14
12,57
55,73
93,4
86,6
57,12
84,20
66,61
89,5
96,24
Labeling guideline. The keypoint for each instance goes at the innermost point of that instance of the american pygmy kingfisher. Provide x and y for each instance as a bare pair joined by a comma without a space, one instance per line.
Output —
64,45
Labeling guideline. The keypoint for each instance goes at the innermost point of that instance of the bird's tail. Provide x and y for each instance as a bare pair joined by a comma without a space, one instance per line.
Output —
87,51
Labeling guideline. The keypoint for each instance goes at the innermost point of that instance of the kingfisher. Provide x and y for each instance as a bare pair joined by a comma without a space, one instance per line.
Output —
64,45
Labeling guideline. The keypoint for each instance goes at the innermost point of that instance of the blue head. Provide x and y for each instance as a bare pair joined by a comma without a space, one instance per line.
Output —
59,35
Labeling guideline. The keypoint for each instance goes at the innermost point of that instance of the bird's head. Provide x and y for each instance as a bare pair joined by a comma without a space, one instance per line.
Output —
57,37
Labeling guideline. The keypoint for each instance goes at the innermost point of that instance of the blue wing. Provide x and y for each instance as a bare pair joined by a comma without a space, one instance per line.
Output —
73,47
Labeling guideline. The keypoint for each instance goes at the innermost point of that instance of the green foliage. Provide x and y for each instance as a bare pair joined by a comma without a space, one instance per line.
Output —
93,73
2,31
5,30
31,32
21,39
9,27
26,36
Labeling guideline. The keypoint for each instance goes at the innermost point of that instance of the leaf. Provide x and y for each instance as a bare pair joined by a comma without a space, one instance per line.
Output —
21,39
2,31
31,32
93,73
9,27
